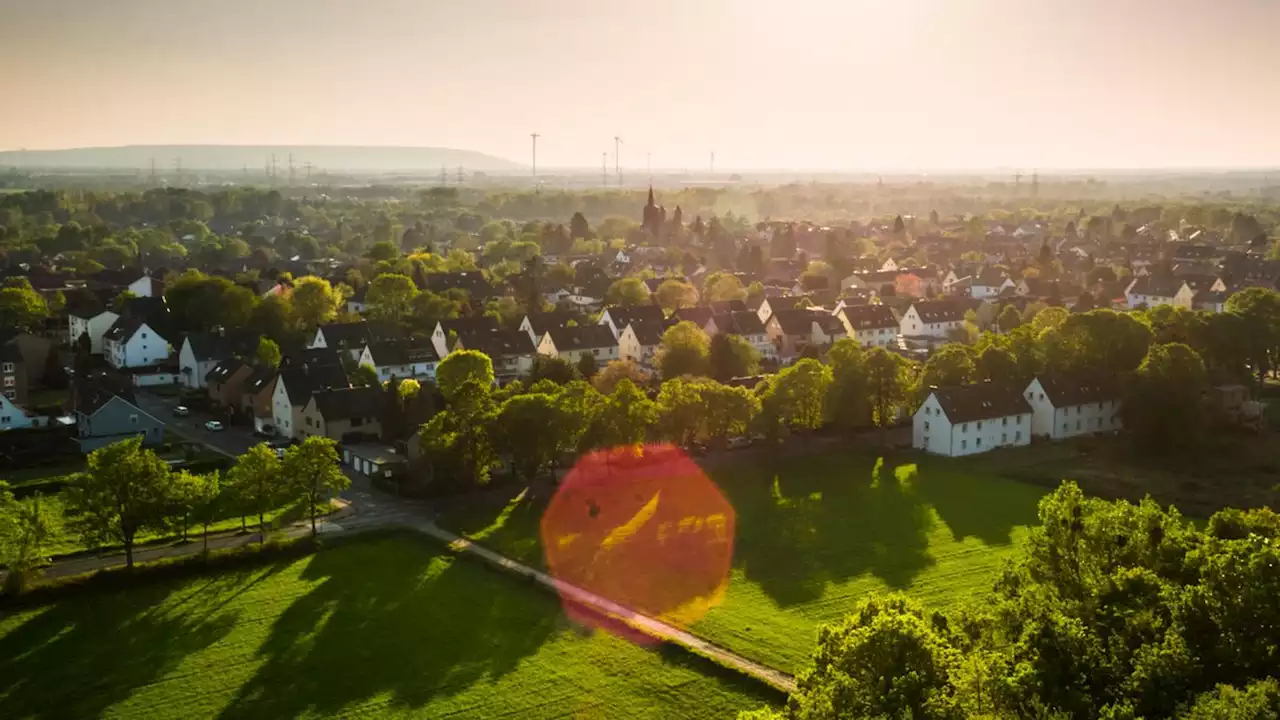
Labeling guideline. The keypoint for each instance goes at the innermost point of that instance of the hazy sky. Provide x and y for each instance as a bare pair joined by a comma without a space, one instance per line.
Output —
802,84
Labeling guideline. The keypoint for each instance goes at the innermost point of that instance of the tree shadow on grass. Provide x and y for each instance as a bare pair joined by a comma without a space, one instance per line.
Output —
973,504
82,655
393,618
826,518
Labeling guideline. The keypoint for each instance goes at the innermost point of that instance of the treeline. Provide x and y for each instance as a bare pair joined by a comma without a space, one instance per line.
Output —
127,490
1113,610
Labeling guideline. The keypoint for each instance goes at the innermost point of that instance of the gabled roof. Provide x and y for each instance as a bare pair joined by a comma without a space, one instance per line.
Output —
212,346
91,395
124,328
744,322
260,379
990,277
497,343
982,401
314,357
697,315
403,352
470,280
728,306
225,369
798,321
583,337
624,316
647,333
301,382
1155,287
1064,391
345,335
346,403
469,324
542,322
863,317
939,311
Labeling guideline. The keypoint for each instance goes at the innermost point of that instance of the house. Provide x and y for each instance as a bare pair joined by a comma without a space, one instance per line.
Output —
910,284
356,303
343,414
375,461
791,331
746,325
225,383
145,286
1149,291
13,417
511,351
990,283
639,342
618,318
349,338
574,343
932,318
440,337
1065,407
13,374
970,419
132,343
30,354
257,393
773,303
472,281
202,352
293,389
537,325
93,320
869,325
699,315
106,414
403,359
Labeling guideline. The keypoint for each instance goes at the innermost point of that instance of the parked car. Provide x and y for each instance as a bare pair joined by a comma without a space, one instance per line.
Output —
739,442
182,411
213,426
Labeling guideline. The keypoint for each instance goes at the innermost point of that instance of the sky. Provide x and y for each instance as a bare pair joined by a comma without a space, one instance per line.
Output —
778,84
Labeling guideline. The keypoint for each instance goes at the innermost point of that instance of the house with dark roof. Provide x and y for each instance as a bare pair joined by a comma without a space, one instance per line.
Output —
344,337
640,340
472,281
511,351
106,413
1065,407
133,342
225,382
574,343
535,325
932,318
971,419
293,389
745,324
88,315
202,352
990,283
699,315
440,337
344,414
793,330
617,318
416,358
13,373
869,325
257,394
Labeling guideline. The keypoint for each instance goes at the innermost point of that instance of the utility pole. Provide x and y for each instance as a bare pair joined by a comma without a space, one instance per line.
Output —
292,174
1035,182
444,176
459,174
177,171
604,169
308,167
154,180
273,168
1017,180
617,158
534,137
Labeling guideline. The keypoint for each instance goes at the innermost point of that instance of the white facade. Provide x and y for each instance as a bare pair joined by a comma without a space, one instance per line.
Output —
980,292
1059,423
602,355
419,369
912,325
320,343
191,369
629,348
933,432
142,349
283,416
97,326
145,286
12,417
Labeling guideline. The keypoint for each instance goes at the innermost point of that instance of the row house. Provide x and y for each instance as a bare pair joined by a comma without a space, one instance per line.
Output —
746,325
575,342
618,318
133,343
343,414
511,351
639,342
293,389
869,325
791,331
402,359
1066,407
932,318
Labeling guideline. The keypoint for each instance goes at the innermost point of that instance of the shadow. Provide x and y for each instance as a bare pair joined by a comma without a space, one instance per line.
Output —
825,518
390,621
977,505
82,655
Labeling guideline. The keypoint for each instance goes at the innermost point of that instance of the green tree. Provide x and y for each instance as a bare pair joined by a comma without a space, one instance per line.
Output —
315,301
731,356
390,297
848,397
184,493
268,353
586,367
457,442
364,376
121,494
997,365
616,371
729,410
723,287
674,294
210,502
578,227
627,292
26,527
258,483
1163,405
951,365
888,381
556,369
797,396
463,367
1008,319
312,469
685,350
623,418
1260,308
383,250
22,308
533,451
682,410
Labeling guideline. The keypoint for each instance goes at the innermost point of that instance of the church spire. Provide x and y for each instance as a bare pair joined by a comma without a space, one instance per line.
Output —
650,194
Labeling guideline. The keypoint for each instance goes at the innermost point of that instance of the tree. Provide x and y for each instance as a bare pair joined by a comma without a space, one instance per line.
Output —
623,418
586,367
312,469
888,378
532,451
797,396
1096,344
578,227
682,410
1008,319
556,369
272,317
949,366
183,494
383,250
674,294
463,367
457,442
268,353
26,526
1260,308
685,350
390,297
847,399
258,482
997,365
1048,318
22,307
209,503
616,371
722,287
315,301
121,494
730,410
627,292
731,356
1163,405
364,375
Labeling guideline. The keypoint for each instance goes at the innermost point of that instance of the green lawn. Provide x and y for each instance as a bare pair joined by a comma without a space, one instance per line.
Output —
384,626
817,532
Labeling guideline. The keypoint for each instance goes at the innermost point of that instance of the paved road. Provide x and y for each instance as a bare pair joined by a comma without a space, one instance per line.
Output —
232,441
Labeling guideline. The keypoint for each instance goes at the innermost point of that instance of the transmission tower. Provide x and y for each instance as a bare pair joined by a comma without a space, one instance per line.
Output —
444,176
617,158
292,173
177,171
460,175
604,169
534,137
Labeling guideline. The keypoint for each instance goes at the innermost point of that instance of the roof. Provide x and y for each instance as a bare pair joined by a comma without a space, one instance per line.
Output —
647,333
982,401
582,337
862,317
470,280
697,315
403,352
990,277
469,324
542,322
215,346
497,343
225,369
91,395
745,322
345,334
727,306
624,316
124,328
1155,287
301,382
797,321
1064,391
346,403
936,311
260,379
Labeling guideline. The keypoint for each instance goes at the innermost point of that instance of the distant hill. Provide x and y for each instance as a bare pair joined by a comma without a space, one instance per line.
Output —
235,157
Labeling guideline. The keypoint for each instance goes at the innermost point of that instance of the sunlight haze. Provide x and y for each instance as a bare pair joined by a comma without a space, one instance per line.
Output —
803,84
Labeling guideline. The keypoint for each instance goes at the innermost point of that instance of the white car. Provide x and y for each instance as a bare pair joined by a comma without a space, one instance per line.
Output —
213,426
182,411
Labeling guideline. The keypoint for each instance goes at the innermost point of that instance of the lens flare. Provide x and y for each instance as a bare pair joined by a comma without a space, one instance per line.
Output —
643,527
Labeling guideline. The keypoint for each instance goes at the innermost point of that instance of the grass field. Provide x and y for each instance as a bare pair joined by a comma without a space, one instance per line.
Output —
384,626
817,532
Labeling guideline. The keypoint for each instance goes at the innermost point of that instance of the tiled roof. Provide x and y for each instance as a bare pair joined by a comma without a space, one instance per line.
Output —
1065,391
346,403
647,333
583,337
623,316
863,317
497,343
301,382
403,353
983,401
939,311
797,321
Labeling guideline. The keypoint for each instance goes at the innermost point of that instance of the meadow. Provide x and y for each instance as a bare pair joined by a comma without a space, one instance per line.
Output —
379,626
818,531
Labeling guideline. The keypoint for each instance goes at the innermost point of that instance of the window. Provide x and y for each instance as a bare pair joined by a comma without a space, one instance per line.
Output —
1017,437
9,381
964,444
8,367
1042,396
1030,395
979,424
1004,437
133,419
927,410
926,426
1077,424
5,419
1064,427
978,443
144,336
964,427
1019,419
1004,422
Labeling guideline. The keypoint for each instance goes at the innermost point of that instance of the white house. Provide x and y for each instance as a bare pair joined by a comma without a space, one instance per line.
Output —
1149,291
511,351
639,342
573,343
293,389
618,318
95,322
933,318
145,286
350,338
402,359
869,325
13,417
440,336
990,283
199,355
971,419
793,330
132,343
746,325
1064,408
